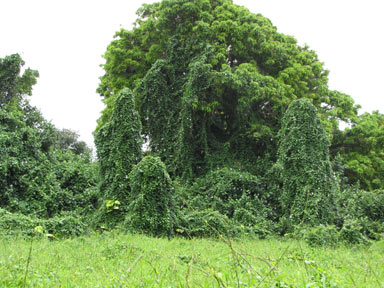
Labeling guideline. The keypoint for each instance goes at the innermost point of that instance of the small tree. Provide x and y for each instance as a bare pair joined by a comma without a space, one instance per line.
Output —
308,183
119,147
151,206
13,85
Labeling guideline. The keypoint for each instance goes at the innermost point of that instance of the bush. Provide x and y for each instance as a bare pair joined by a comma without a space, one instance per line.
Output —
67,226
151,208
205,223
227,191
16,224
36,176
359,203
351,233
365,208
321,235
373,230
108,216
253,225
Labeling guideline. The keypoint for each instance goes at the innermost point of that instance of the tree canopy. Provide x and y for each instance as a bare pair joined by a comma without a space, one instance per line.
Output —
361,146
212,81
14,86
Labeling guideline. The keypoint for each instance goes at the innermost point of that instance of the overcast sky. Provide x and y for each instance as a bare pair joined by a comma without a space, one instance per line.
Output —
65,40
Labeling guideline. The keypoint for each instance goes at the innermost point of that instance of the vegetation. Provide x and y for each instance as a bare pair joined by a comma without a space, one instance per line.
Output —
243,119
307,181
151,208
119,147
215,126
361,147
13,86
44,172
118,260
212,82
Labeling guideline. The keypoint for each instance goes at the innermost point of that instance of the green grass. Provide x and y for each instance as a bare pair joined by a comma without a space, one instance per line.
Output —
121,260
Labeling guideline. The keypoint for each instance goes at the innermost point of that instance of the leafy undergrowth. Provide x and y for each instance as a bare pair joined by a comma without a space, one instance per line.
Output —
124,260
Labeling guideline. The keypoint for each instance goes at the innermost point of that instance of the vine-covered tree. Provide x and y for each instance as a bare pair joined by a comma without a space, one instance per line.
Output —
308,184
212,82
119,147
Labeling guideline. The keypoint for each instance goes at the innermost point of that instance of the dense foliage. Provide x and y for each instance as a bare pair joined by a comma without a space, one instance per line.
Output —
44,172
307,181
151,208
237,195
212,82
119,147
20,225
215,124
35,177
244,121
361,146
13,86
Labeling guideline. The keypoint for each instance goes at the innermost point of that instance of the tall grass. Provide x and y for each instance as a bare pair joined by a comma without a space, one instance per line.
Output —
125,260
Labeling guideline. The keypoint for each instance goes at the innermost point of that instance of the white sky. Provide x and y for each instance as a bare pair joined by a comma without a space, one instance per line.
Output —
64,41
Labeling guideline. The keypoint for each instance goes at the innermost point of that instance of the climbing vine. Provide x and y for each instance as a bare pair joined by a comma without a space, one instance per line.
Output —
307,180
119,147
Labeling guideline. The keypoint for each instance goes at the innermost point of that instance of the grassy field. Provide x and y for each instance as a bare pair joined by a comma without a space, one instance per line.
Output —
121,260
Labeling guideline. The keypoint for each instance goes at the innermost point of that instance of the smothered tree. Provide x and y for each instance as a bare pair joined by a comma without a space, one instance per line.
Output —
212,81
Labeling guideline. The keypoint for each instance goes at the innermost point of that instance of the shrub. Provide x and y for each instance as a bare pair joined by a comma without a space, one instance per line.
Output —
36,176
67,226
226,191
321,235
351,233
366,204
253,225
366,208
371,229
151,208
205,223
108,216
16,224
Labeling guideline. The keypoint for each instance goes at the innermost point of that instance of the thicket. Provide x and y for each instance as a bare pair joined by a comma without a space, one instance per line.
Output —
214,124
245,123
20,225
46,175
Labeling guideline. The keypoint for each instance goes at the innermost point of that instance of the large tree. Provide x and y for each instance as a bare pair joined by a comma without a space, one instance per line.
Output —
212,81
